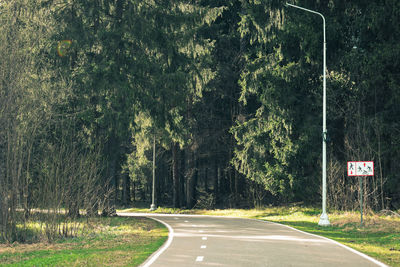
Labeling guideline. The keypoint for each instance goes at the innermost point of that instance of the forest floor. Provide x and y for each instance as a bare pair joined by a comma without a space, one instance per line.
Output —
113,241
379,237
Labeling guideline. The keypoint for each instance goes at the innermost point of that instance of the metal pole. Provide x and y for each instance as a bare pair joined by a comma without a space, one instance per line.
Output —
324,220
361,199
153,206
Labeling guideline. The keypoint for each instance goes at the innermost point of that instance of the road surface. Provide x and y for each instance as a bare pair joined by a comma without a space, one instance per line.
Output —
221,241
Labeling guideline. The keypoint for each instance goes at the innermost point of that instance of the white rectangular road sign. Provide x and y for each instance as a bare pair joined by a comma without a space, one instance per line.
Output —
360,168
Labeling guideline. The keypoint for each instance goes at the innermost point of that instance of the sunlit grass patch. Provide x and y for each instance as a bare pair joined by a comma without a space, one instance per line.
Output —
113,241
379,236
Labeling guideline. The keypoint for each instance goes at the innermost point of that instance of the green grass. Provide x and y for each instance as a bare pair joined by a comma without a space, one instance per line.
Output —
111,241
378,238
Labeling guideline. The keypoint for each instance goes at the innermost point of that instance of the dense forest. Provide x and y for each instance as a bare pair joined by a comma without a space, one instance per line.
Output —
222,98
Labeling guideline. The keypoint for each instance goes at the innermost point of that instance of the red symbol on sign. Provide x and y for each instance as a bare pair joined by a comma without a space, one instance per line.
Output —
360,168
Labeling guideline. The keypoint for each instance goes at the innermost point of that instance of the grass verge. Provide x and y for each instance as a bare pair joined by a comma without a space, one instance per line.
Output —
114,241
378,238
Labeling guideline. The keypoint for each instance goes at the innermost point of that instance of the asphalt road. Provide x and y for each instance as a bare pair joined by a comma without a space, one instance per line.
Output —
221,241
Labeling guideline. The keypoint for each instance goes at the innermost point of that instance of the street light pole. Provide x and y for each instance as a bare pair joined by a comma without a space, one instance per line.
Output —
153,205
324,220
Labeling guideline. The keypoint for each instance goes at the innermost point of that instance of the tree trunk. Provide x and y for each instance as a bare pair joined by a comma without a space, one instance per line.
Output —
191,177
134,191
160,182
236,177
216,186
110,182
195,179
182,179
73,210
206,189
175,176
126,190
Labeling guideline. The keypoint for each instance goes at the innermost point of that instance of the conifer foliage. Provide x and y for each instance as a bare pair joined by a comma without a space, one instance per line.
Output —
227,94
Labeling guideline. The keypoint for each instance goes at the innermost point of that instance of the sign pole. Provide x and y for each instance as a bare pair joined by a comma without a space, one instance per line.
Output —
361,199
360,169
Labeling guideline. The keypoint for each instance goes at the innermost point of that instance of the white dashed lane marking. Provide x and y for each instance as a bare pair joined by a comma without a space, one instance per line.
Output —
200,258
167,252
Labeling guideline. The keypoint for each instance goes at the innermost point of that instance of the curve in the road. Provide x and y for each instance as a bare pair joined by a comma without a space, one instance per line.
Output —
156,254
224,241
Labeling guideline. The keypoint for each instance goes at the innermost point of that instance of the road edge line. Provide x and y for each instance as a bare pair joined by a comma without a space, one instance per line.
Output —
161,250
153,257
333,241
381,264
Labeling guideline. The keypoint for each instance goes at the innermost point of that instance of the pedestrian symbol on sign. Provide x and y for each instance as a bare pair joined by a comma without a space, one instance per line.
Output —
360,168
